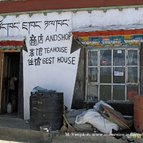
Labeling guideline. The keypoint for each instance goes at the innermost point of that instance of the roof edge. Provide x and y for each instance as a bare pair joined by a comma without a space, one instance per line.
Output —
74,10
14,6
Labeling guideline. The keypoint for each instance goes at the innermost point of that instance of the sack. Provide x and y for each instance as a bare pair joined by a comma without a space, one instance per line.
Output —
96,120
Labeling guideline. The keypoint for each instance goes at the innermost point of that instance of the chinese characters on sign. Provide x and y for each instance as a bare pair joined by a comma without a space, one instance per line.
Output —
38,52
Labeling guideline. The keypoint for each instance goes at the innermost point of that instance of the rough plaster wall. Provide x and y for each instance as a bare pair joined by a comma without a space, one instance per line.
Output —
113,19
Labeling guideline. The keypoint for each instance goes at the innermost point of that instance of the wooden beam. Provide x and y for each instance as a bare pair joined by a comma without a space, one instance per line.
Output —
37,5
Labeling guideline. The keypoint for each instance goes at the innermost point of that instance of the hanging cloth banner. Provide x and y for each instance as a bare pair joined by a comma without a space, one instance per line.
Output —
115,38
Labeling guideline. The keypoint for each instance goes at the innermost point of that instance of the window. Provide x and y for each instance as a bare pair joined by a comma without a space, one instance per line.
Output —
112,73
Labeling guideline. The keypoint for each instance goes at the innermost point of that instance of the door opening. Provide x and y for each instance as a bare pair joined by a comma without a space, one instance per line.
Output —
10,82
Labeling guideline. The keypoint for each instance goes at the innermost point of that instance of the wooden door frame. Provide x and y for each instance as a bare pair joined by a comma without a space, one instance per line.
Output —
20,87
1,77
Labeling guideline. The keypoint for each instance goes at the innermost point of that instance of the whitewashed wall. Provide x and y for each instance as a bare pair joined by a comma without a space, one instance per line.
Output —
56,74
113,19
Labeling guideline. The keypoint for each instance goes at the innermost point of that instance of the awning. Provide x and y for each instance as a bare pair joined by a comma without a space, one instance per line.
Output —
11,44
110,37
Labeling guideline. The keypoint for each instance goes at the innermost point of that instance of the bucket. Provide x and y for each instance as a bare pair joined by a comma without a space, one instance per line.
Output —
46,109
138,113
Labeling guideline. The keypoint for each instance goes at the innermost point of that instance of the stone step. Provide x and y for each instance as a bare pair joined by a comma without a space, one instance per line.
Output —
24,135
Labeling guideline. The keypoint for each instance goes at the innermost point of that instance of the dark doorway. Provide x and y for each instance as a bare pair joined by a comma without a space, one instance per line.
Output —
10,83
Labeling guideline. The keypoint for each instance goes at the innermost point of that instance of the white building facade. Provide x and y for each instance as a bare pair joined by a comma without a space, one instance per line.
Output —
49,62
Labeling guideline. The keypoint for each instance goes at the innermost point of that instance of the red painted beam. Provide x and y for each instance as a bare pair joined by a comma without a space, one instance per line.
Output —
12,43
37,5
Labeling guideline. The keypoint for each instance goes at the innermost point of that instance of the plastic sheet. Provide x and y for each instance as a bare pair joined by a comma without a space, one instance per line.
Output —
94,118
